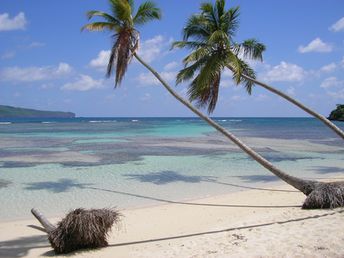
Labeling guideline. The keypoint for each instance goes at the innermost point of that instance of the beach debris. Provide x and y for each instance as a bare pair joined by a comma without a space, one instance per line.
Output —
80,229
325,196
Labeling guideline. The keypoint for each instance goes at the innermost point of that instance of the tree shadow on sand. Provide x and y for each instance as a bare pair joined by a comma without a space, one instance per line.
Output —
226,230
21,247
62,185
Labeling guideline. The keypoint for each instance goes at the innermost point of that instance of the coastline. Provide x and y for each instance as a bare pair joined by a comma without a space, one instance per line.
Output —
240,224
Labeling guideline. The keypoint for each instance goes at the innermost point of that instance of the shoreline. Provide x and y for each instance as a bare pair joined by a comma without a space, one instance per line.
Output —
241,224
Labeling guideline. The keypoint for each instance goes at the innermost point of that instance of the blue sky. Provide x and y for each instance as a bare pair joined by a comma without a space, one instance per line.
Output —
46,62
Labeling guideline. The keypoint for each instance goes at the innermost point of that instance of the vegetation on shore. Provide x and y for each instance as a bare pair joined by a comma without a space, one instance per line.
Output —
338,113
17,112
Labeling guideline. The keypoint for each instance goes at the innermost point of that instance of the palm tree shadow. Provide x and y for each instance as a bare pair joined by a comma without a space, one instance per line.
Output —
62,185
166,177
21,247
224,230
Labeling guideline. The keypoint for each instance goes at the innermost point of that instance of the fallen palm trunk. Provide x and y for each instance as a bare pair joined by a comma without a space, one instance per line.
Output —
80,229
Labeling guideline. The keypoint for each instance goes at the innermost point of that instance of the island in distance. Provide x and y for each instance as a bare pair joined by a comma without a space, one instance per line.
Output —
337,114
17,112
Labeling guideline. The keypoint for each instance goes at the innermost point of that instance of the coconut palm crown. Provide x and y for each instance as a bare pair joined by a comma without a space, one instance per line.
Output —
122,21
210,36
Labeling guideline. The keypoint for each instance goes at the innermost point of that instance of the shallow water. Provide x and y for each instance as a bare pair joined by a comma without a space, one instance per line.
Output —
131,162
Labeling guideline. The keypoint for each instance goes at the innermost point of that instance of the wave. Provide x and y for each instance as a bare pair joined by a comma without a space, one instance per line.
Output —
5,123
134,120
102,121
224,120
48,122
235,120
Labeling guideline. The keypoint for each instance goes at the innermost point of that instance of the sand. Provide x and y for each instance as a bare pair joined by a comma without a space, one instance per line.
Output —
252,223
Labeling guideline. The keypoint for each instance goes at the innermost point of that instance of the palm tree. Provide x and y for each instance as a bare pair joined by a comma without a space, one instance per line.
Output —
210,36
122,23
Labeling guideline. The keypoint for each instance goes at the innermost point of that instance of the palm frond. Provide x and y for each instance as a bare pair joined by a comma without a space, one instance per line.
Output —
188,44
230,21
204,88
197,28
107,17
196,55
121,9
100,26
147,12
251,49
247,70
188,72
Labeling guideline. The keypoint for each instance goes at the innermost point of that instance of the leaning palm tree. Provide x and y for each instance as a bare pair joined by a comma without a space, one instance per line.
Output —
122,23
210,36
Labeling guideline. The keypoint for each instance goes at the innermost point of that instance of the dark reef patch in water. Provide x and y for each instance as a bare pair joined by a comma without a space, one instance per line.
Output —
4,183
259,178
166,177
62,185
327,170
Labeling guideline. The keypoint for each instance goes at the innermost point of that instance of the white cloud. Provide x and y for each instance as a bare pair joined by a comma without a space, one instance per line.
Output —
34,73
336,94
153,48
291,91
84,83
285,72
102,60
237,98
338,26
328,68
332,82
8,55
171,66
147,79
317,45
36,45
16,23
146,97
261,97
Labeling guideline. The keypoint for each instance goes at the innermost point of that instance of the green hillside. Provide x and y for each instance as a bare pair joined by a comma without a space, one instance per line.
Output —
16,112
337,114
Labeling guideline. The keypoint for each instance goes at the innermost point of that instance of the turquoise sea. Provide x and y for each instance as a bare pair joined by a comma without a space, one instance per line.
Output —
60,164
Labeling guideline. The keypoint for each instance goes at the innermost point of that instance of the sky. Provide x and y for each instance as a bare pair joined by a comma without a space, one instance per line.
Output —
47,63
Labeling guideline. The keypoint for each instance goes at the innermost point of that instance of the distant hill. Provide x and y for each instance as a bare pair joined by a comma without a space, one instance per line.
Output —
337,114
16,112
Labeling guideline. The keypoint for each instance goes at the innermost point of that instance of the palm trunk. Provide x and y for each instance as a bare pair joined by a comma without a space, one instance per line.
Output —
305,186
43,220
295,102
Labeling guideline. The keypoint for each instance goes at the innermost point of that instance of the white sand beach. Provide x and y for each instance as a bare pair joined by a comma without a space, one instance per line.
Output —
252,223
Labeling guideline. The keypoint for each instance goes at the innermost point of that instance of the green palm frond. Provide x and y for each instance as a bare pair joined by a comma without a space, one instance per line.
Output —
188,72
125,36
204,88
218,38
230,21
188,44
147,12
196,55
107,17
121,9
247,70
251,49
196,27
